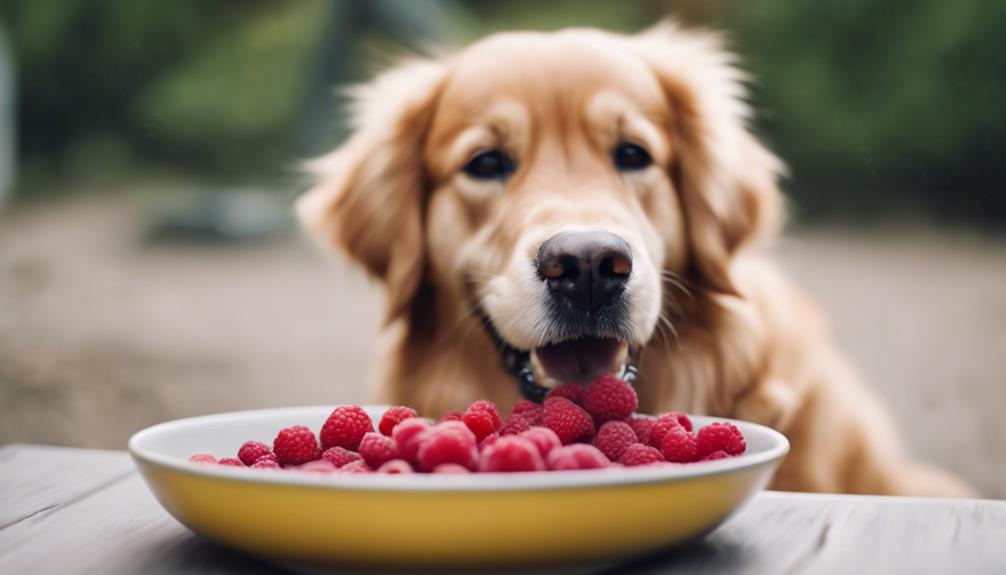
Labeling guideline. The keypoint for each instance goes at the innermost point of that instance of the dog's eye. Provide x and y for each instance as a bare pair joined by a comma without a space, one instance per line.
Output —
490,165
630,157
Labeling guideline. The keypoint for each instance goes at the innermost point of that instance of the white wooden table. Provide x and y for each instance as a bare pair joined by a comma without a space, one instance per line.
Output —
71,511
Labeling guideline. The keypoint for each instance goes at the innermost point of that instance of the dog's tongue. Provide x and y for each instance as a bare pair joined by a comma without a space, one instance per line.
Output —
579,361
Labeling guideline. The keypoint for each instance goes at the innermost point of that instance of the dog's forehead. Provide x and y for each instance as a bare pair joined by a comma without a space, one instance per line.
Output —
543,71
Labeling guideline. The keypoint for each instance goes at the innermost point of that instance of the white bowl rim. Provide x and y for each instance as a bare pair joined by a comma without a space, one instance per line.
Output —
423,482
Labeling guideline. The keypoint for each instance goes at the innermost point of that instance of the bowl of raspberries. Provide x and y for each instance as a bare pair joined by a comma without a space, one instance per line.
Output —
581,478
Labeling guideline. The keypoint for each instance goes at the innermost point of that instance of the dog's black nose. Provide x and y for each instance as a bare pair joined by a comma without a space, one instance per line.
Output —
589,269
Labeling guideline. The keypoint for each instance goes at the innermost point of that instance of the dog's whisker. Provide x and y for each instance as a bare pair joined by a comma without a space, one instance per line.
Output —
676,281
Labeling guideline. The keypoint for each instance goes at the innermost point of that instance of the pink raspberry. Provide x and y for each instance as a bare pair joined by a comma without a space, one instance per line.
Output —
543,438
451,416
614,438
488,440
295,445
571,391
642,425
232,461
345,427
682,419
376,449
679,446
609,398
517,423
665,423
451,469
252,451
359,466
203,458
269,456
393,416
406,435
486,406
340,456
524,406
638,454
577,456
480,422
716,455
720,437
568,420
265,463
448,442
395,467
511,453
319,466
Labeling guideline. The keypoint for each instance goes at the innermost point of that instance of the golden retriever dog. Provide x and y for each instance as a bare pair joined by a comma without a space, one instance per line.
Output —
547,207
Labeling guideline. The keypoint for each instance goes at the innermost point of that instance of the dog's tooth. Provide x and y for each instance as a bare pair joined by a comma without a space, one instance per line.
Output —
540,375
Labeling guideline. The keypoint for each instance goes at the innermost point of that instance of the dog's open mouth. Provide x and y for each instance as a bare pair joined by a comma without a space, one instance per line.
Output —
580,360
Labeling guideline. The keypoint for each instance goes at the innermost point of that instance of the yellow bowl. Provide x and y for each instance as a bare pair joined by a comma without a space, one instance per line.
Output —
497,520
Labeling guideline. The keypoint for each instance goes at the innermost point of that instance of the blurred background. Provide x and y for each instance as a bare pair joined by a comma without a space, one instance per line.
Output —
150,268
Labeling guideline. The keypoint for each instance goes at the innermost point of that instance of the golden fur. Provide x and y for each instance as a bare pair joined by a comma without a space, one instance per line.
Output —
721,332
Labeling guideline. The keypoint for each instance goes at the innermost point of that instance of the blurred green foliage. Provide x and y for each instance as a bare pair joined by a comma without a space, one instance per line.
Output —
896,104
879,108
211,86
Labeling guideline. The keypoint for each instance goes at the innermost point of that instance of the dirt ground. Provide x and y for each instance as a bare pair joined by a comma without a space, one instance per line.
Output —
102,333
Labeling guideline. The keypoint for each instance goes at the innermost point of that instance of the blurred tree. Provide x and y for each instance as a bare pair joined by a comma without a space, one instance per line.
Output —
878,107
215,85
882,105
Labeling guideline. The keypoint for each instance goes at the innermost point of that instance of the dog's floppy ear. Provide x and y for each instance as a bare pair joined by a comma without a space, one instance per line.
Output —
725,178
369,194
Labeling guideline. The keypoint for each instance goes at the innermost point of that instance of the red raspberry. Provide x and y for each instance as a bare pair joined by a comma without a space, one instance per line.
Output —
543,438
407,434
395,467
488,440
451,469
232,461
319,466
295,445
265,463
339,456
571,391
203,458
568,420
511,453
359,466
614,438
665,423
448,442
480,422
489,407
609,398
516,424
345,427
638,454
393,417
451,416
642,425
252,451
679,446
578,456
720,437
524,406
271,457
376,449
717,455
682,419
